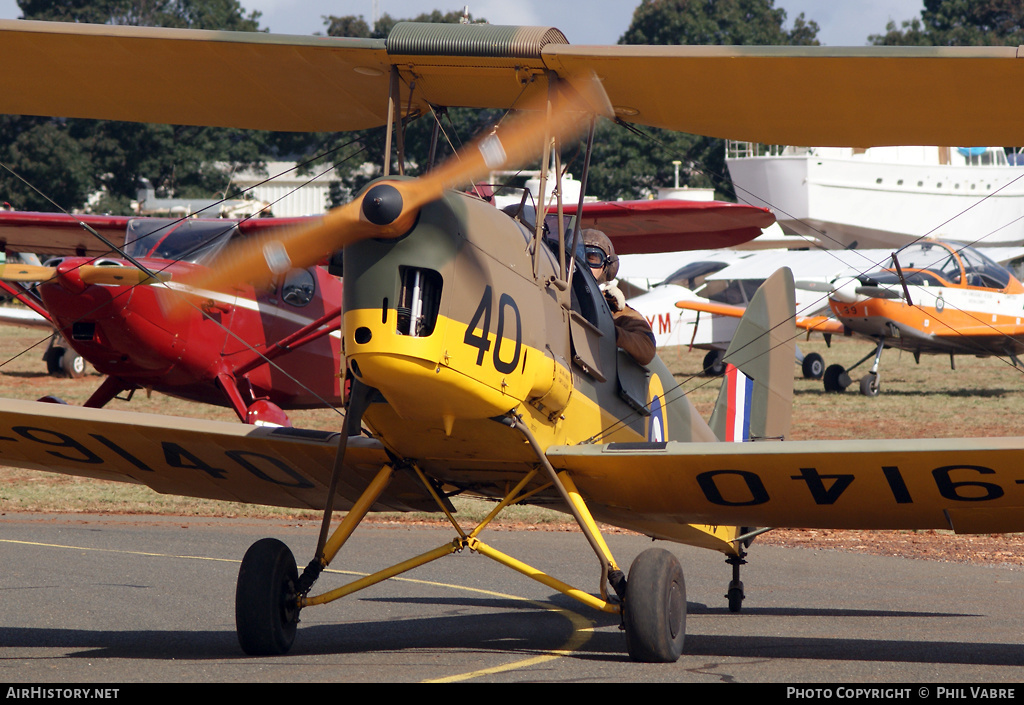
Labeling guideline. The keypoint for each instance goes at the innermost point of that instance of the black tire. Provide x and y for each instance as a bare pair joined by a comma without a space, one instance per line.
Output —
53,359
266,613
655,608
64,362
735,597
834,378
870,385
714,366
813,366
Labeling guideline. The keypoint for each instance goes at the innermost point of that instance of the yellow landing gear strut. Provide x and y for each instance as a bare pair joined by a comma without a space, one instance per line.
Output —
271,593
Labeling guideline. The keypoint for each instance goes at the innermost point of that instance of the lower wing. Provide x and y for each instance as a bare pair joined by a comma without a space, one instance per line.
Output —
967,485
281,467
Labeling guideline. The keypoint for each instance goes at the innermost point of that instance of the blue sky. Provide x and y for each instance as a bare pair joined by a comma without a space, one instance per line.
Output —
842,22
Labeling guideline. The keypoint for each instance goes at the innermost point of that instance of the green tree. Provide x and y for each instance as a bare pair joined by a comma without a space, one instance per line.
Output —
627,165
190,14
356,25
41,151
715,22
959,23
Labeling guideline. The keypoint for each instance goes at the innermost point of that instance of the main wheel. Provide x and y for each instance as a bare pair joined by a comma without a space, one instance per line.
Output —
655,608
813,366
73,364
836,379
714,366
64,362
266,612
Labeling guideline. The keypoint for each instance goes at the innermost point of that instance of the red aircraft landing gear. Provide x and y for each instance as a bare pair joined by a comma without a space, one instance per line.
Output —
62,361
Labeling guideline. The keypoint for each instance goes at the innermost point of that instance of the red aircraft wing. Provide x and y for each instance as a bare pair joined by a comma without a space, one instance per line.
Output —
671,225
67,235
60,233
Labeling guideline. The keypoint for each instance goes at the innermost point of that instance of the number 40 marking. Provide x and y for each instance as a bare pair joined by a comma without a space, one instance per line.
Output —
482,321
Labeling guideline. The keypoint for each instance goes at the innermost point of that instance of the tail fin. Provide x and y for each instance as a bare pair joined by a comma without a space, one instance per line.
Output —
756,399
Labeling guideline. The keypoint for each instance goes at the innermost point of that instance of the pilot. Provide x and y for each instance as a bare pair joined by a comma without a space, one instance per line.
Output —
632,332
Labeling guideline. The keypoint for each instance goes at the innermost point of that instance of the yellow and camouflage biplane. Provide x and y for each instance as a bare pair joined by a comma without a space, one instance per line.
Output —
480,351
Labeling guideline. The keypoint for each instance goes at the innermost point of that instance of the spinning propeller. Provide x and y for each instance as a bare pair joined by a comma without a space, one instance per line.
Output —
85,274
388,209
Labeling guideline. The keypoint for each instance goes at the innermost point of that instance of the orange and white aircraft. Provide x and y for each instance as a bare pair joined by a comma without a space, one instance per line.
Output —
481,353
934,298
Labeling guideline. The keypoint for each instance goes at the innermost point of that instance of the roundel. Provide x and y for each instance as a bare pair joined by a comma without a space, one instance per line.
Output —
656,431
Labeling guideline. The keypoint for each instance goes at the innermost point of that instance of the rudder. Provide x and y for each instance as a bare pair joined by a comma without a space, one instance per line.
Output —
756,399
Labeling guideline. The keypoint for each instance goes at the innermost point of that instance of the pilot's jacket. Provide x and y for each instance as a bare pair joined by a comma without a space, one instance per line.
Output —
633,334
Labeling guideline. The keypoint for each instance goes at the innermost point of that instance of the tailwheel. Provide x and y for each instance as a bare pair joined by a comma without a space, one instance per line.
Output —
655,608
735,592
735,597
266,610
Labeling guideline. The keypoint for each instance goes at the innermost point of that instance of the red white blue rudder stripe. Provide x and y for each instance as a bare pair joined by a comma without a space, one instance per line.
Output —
740,392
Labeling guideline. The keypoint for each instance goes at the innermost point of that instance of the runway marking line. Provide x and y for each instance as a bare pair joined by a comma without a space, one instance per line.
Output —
582,628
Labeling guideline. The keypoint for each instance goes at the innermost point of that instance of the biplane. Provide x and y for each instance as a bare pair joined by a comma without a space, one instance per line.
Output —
479,351
933,298
258,352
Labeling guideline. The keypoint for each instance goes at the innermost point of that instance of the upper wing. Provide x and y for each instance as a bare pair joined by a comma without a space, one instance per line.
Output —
967,485
672,226
833,96
64,234
198,458
60,233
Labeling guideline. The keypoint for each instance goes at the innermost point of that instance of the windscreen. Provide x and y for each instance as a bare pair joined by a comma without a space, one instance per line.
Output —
186,240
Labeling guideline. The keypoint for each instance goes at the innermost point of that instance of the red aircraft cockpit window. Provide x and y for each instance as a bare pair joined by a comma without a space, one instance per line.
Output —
186,240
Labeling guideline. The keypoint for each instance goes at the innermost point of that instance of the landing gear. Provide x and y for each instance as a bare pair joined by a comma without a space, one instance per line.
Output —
735,593
870,384
655,609
714,365
271,593
62,361
813,366
266,607
836,379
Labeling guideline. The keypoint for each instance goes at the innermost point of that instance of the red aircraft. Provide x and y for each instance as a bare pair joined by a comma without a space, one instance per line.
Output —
256,352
